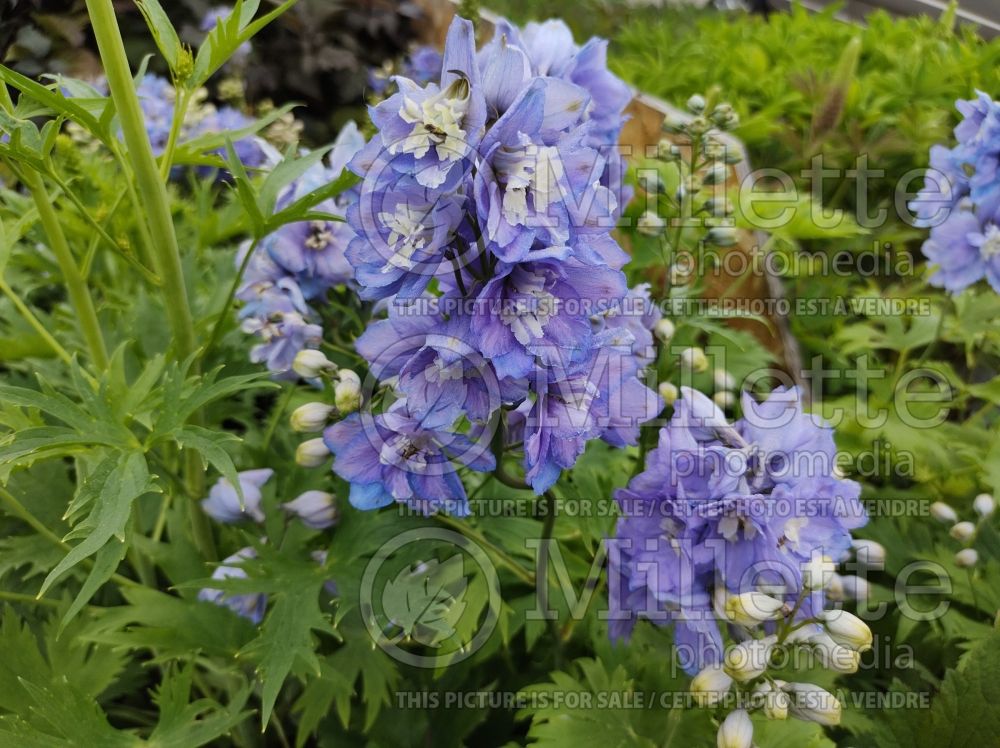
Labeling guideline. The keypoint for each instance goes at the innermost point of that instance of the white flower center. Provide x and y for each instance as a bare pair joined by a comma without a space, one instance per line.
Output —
407,234
528,315
533,168
320,235
990,247
437,123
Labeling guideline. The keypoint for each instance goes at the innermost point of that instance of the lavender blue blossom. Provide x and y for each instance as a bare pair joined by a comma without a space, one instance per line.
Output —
723,507
394,457
960,201
249,606
223,502
422,65
484,222
316,509
297,265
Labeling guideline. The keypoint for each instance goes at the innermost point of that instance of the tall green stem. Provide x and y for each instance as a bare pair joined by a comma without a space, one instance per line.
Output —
76,286
152,191
155,203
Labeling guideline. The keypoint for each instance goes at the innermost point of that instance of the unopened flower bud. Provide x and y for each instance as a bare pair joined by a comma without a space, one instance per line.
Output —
347,393
718,174
724,399
736,731
696,104
835,588
749,659
668,391
724,380
722,236
312,453
847,629
710,685
984,505
809,702
943,513
773,701
966,558
817,572
311,417
752,608
310,363
316,509
963,532
664,330
871,555
855,588
834,656
650,224
695,359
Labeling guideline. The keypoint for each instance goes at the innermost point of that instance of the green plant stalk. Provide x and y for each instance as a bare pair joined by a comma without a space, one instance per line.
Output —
35,323
76,286
155,203
152,191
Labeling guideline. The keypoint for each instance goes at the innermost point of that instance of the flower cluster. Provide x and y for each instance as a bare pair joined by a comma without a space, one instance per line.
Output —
484,222
965,531
723,509
293,268
963,184
315,509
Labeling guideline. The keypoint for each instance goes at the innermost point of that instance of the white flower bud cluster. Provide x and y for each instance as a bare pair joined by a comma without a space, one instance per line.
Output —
832,639
965,531
313,417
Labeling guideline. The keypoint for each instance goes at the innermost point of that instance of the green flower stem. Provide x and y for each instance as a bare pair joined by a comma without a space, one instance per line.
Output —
76,286
156,205
181,103
542,575
20,597
35,323
152,191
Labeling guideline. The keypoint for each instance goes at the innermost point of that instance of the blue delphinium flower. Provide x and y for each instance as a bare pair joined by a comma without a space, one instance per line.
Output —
960,201
223,503
316,509
721,508
250,606
484,222
422,65
394,457
297,264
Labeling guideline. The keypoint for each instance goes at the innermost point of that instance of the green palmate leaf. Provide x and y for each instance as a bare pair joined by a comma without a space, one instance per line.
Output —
201,149
112,508
105,564
284,173
357,658
964,713
286,644
45,442
187,724
554,723
426,601
35,552
65,658
173,627
163,31
54,100
301,209
210,445
228,35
